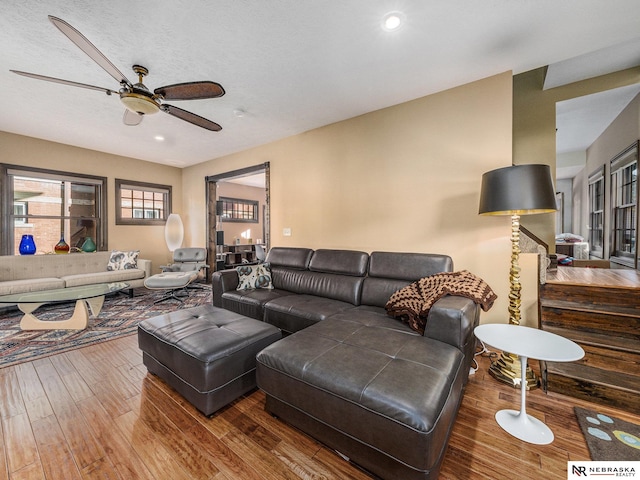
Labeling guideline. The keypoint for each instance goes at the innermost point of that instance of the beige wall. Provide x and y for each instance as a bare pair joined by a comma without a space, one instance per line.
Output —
27,151
622,132
405,178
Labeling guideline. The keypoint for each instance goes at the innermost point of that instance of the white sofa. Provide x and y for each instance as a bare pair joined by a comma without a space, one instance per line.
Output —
30,273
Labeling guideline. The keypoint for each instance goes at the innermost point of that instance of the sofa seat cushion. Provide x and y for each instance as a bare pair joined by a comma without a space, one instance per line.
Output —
371,316
30,285
295,312
391,390
251,302
103,277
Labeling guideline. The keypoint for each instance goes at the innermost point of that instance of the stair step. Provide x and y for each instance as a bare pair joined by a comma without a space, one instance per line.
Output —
591,321
614,389
591,294
600,310
601,340
617,309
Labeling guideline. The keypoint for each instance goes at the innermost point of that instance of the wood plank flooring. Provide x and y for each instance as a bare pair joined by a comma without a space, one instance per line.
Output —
601,277
96,413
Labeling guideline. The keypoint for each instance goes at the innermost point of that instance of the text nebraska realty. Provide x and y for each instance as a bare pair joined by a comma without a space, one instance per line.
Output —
605,471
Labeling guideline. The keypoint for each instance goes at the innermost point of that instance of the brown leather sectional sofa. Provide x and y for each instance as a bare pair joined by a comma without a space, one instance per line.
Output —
348,374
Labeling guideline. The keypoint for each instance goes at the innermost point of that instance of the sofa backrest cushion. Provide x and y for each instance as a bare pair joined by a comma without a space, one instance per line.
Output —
290,257
336,274
345,288
345,262
24,267
390,271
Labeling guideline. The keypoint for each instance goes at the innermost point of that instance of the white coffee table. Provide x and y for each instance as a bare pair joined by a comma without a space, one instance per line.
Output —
527,343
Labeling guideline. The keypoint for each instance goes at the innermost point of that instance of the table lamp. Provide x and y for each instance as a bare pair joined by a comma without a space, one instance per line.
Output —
516,190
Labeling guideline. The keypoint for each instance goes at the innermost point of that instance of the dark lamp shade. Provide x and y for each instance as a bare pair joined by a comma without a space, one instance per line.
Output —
517,190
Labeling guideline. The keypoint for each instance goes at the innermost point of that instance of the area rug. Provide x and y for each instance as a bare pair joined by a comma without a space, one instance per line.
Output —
119,317
609,438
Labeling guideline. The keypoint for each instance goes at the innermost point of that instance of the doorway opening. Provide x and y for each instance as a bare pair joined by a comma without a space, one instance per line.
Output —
238,216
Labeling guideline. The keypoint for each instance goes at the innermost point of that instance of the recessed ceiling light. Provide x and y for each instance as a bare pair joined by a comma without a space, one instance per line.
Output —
159,138
392,21
239,112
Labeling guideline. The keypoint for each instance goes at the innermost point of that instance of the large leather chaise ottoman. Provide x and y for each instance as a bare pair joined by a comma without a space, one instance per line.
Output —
381,395
207,354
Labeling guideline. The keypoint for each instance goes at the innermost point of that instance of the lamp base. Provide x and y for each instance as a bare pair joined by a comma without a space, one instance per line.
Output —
507,369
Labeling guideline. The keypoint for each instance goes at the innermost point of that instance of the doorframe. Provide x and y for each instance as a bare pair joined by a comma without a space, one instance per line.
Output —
211,184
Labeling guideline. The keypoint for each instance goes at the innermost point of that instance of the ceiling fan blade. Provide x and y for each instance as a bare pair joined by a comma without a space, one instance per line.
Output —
190,91
64,82
191,117
87,47
131,118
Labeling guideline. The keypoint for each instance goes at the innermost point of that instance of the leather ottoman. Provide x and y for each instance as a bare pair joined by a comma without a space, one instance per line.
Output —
367,386
206,353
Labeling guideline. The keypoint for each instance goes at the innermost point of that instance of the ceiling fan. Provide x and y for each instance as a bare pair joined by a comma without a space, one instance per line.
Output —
136,97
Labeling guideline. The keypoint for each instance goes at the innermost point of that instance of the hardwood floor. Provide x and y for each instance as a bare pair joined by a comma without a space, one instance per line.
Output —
601,277
96,413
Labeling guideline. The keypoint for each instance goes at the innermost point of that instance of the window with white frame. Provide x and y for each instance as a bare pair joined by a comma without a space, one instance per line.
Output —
596,213
624,213
20,213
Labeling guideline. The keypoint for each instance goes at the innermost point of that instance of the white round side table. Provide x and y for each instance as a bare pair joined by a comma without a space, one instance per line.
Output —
527,342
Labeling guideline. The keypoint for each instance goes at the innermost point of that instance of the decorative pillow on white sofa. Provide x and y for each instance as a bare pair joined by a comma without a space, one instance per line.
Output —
123,260
254,276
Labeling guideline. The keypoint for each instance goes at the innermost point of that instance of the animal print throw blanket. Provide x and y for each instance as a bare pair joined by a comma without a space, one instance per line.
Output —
412,303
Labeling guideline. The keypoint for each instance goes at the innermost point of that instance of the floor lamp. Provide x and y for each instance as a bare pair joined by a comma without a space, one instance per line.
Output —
173,232
516,190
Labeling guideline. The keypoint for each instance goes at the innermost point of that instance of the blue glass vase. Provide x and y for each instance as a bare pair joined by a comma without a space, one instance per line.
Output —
27,245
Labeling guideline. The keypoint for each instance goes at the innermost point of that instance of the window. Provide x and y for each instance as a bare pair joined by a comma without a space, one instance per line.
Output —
596,213
20,213
239,210
50,204
142,203
624,170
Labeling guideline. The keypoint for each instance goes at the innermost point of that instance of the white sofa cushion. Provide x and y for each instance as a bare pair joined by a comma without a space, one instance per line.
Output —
103,277
30,285
29,273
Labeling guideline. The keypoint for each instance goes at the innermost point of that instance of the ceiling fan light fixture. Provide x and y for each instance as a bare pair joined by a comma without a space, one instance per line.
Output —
137,99
139,103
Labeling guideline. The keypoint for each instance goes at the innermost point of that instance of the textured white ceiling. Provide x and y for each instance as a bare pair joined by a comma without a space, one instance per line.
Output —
290,65
580,121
